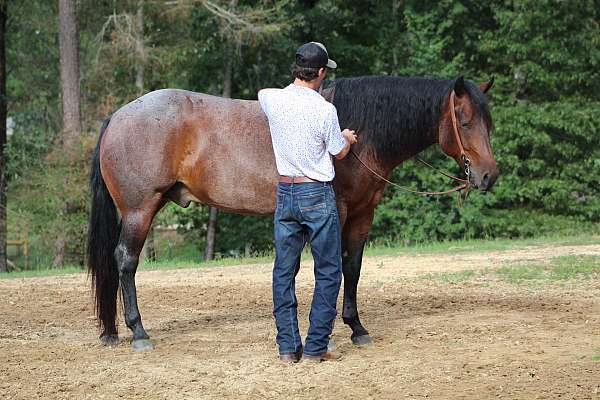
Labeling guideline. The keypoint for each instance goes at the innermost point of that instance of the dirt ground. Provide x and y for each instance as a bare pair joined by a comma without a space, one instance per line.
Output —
214,336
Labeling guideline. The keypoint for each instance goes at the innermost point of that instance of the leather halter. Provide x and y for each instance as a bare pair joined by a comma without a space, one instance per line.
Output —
463,157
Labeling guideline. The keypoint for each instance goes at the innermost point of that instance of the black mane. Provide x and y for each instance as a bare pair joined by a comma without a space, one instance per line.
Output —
396,114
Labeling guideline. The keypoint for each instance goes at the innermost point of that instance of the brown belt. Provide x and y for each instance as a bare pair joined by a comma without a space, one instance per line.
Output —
295,179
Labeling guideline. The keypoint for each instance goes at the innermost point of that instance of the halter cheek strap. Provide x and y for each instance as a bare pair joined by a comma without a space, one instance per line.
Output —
463,156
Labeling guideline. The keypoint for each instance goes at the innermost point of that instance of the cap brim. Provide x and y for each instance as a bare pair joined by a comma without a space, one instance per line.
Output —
331,64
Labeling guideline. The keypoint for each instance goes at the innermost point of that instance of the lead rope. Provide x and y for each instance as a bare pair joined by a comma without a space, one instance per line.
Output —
419,159
404,188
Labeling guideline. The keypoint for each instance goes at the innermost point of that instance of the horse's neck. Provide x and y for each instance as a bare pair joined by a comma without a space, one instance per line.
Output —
410,151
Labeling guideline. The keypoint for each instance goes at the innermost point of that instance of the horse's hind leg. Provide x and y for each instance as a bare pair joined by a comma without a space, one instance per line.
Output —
135,224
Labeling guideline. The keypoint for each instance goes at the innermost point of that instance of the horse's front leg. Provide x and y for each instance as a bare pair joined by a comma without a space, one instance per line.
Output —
353,243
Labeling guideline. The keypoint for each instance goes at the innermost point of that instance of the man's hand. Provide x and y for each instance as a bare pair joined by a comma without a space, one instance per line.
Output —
349,136
350,140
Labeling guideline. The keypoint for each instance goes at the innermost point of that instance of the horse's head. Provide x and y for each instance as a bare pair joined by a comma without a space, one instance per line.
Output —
467,138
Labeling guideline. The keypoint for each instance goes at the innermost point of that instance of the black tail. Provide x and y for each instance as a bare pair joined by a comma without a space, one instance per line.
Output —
103,235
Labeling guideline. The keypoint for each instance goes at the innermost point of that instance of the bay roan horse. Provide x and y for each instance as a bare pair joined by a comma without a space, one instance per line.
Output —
180,146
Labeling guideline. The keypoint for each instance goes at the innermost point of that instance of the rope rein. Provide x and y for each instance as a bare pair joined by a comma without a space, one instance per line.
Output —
409,190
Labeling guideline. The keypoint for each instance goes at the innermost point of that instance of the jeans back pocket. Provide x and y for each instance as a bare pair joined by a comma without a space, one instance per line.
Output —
313,207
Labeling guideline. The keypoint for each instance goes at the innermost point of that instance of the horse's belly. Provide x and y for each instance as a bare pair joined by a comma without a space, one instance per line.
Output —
244,192
235,182
235,196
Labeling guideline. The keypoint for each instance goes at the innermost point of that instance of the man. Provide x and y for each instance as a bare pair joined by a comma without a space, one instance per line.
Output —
306,133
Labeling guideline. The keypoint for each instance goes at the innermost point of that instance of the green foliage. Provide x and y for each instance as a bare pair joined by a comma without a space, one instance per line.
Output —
52,202
545,50
237,235
32,84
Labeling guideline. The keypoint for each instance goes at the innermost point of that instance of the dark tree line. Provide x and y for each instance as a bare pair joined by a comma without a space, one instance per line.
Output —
3,110
545,55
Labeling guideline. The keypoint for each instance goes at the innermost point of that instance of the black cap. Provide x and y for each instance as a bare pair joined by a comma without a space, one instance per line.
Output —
314,55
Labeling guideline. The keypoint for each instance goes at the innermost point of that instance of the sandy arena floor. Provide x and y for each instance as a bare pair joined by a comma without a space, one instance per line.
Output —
214,336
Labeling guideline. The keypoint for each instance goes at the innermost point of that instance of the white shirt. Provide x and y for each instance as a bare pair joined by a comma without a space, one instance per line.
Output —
305,131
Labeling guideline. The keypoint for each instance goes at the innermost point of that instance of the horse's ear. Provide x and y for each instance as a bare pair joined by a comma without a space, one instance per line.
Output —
487,85
459,86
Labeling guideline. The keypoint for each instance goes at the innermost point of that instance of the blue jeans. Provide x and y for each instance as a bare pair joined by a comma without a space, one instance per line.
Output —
306,211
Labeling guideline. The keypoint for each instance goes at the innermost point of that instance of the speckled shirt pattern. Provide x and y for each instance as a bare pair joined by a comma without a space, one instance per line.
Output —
305,131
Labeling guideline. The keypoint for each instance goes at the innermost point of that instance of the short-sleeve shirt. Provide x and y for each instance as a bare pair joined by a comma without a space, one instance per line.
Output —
305,131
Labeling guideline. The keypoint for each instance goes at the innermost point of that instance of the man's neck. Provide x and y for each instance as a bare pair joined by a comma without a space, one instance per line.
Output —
314,84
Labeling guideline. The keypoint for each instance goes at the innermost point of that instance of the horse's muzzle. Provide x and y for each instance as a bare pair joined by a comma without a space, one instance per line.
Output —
484,180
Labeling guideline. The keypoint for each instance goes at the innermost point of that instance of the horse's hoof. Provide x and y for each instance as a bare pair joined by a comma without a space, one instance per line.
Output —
363,340
109,340
331,346
142,344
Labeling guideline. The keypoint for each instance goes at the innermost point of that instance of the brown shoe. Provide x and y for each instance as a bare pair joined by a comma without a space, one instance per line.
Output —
291,357
327,356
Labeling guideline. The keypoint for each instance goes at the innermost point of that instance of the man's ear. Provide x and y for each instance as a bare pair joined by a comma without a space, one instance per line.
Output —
322,71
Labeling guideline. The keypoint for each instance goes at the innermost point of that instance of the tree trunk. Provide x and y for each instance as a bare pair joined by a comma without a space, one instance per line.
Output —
149,249
71,99
211,229
3,100
149,252
227,72
140,48
69,73
60,245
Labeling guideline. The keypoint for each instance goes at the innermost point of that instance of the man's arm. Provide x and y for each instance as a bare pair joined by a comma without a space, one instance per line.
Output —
338,141
350,138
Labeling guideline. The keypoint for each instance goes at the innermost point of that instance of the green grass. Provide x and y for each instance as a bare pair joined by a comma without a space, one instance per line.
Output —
30,273
562,269
520,273
221,262
452,277
596,355
466,246
557,269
